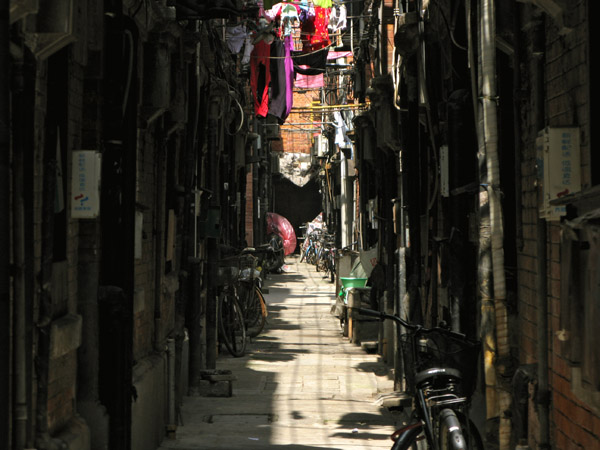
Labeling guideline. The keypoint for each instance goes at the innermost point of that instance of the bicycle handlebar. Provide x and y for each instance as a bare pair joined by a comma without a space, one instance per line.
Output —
415,328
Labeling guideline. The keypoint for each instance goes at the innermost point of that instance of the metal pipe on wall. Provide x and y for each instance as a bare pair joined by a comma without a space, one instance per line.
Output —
20,417
543,394
5,300
484,263
488,97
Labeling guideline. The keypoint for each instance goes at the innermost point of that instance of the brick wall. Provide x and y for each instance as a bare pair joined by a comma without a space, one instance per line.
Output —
294,140
575,421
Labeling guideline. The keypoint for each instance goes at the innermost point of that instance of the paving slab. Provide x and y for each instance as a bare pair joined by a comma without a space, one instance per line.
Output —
301,384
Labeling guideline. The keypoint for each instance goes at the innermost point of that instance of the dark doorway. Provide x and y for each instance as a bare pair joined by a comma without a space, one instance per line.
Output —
298,204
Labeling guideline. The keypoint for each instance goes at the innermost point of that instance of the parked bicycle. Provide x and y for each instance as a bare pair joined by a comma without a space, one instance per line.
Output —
274,260
441,371
325,261
232,329
250,293
311,247
242,309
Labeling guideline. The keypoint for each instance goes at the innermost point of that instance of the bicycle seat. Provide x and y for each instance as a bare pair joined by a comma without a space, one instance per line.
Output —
435,372
263,248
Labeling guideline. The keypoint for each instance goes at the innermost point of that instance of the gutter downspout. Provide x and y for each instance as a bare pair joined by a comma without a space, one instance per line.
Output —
489,140
344,201
484,265
20,416
43,439
543,394
5,300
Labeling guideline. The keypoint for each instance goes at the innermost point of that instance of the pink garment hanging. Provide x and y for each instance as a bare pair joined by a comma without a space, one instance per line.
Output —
309,81
289,74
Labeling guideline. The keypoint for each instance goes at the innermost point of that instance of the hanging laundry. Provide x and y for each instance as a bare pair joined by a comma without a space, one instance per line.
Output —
306,77
248,47
236,36
260,77
323,3
341,130
289,19
309,81
264,31
314,33
306,11
313,63
287,15
289,75
277,98
338,19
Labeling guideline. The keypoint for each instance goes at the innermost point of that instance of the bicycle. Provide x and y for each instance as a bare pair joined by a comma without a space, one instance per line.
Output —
442,372
274,260
326,256
232,329
253,302
240,316
309,253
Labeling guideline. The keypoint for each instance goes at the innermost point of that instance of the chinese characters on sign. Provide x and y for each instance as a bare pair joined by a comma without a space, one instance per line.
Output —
85,184
561,162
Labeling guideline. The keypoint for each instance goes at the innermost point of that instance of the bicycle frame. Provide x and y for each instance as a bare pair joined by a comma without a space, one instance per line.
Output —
438,401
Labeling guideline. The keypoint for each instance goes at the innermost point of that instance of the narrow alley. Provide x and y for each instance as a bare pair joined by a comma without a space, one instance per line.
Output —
300,385
435,154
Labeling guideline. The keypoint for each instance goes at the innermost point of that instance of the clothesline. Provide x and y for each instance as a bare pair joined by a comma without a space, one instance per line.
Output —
307,53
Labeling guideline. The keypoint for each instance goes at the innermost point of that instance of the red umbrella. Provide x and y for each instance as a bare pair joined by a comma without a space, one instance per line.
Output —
280,225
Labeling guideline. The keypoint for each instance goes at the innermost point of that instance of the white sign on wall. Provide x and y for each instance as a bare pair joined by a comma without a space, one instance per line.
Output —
85,184
561,168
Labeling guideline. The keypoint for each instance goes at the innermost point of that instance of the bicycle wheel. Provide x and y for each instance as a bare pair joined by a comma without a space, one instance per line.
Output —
331,266
231,324
450,432
311,256
256,314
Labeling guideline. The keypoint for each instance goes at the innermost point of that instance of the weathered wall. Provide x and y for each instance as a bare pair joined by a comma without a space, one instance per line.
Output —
574,420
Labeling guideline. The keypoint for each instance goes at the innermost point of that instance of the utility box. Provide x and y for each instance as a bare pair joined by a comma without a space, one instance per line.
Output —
559,167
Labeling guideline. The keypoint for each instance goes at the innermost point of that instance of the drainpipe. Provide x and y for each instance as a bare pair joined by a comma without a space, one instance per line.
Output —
211,243
543,394
20,416
160,234
489,153
172,419
344,201
5,300
46,311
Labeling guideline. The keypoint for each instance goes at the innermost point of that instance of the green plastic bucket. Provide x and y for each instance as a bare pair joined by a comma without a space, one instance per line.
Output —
348,282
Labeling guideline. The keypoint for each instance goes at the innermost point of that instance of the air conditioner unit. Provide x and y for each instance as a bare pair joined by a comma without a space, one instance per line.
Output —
321,146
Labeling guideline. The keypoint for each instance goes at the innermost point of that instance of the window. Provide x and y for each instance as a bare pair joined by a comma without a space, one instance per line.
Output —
580,305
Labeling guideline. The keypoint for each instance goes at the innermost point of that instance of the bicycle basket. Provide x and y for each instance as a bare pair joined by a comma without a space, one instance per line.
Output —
227,271
440,348
248,268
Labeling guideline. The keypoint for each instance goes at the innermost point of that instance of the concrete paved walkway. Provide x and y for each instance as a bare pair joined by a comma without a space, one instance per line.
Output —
301,384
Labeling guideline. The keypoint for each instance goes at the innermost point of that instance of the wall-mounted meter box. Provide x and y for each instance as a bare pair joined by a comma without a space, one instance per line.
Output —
560,167
85,184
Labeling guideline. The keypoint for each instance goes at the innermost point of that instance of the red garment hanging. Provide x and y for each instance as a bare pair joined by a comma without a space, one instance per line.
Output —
315,34
260,77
